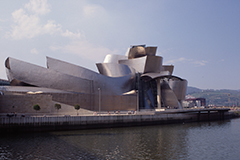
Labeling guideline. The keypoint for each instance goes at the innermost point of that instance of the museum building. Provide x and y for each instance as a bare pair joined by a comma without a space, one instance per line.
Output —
135,81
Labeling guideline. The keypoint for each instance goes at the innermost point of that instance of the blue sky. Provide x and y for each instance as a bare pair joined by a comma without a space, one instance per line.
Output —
199,37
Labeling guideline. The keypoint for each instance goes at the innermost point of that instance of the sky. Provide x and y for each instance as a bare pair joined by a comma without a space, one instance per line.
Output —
199,37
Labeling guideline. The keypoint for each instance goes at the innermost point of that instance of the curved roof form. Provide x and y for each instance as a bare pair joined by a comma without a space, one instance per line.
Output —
136,52
144,64
173,88
168,68
36,90
42,77
112,58
108,85
169,98
71,69
151,51
140,51
64,76
162,75
114,69
149,76
179,87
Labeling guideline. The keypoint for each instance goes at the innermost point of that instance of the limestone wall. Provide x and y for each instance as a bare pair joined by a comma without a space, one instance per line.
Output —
94,101
25,103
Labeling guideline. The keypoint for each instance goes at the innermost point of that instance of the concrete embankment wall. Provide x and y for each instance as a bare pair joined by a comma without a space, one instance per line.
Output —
19,124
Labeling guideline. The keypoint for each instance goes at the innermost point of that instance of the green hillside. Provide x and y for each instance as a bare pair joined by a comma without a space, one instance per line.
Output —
222,97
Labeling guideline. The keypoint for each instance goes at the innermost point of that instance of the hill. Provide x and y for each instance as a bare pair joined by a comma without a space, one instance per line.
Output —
191,90
223,97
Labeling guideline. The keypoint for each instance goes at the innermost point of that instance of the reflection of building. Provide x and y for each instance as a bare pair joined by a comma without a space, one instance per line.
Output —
137,79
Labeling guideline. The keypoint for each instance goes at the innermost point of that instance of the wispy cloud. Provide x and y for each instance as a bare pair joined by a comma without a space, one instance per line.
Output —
201,62
85,49
40,7
2,20
93,10
185,60
173,61
68,33
26,26
34,51
27,22
162,52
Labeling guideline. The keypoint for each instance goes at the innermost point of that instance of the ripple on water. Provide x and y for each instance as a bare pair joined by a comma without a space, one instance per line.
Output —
207,140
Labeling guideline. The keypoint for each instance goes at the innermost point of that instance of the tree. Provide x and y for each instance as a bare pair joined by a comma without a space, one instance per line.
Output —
57,106
36,107
77,107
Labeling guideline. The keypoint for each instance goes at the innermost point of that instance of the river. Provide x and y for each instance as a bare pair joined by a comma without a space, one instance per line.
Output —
203,140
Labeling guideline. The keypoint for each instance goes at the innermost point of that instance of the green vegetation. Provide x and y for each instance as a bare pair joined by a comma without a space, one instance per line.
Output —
221,97
57,106
36,107
237,113
77,107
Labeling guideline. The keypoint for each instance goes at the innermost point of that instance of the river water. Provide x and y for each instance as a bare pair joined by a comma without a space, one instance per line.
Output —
205,140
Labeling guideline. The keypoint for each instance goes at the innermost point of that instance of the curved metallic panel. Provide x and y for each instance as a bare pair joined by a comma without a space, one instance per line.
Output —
171,77
161,75
151,51
114,70
137,63
36,90
70,69
38,76
168,68
107,85
7,63
16,82
179,87
136,52
127,52
149,76
153,64
140,51
111,58
168,97
146,64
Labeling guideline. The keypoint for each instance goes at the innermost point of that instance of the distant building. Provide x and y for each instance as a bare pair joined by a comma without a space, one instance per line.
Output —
194,102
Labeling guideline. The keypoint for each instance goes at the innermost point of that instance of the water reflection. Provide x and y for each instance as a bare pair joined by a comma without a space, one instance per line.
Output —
210,140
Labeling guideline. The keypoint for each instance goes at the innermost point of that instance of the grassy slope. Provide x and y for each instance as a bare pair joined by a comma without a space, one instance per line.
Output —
219,97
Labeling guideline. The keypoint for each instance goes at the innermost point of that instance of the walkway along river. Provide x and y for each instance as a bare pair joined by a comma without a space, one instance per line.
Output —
46,123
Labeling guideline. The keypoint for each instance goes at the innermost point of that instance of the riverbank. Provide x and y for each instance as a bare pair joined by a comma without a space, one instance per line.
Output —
107,120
